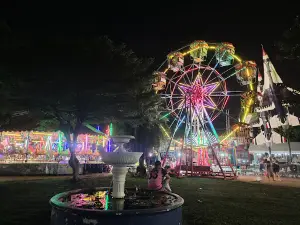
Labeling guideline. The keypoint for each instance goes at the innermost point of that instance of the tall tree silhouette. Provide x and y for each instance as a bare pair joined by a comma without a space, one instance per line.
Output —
74,81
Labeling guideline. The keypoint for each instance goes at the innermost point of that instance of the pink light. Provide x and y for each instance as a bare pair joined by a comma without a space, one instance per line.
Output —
197,94
86,142
201,91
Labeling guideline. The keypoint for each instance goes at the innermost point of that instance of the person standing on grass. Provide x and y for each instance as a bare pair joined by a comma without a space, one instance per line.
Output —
276,169
269,170
158,179
261,167
261,170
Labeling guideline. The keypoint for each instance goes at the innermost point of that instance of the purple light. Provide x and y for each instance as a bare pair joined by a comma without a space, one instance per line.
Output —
109,145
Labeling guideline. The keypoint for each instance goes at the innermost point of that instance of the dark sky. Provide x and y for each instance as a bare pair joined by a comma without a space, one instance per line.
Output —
156,29
153,29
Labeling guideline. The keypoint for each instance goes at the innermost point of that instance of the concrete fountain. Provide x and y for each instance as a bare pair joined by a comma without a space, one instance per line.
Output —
116,205
120,160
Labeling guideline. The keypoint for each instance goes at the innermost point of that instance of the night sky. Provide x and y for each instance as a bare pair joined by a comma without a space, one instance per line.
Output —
156,29
153,30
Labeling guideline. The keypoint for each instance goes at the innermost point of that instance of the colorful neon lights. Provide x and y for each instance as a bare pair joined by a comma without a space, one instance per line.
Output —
195,92
110,129
211,125
164,116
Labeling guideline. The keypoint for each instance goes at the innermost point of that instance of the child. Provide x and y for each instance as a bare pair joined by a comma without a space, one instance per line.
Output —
159,179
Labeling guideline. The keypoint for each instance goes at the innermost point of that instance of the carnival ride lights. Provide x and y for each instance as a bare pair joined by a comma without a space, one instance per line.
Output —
247,72
26,145
224,53
199,51
160,81
175,61
196,92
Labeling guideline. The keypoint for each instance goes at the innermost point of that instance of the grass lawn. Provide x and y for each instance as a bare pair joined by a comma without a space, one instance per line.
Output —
207,201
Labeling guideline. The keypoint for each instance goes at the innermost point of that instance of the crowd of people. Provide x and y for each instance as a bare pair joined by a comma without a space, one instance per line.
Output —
159,178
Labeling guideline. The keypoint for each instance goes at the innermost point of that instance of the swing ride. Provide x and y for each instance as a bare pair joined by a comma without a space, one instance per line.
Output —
193,83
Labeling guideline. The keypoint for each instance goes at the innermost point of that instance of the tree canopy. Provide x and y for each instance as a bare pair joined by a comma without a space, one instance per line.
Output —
289,44
91,80
69,81
288,47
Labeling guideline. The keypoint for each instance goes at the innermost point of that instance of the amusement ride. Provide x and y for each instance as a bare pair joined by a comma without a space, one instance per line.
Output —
193,83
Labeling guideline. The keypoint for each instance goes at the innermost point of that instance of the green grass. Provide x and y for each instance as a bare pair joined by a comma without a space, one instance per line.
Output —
207,201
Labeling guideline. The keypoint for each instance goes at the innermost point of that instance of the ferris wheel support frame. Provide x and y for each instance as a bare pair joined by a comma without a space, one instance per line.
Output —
191,145
212,149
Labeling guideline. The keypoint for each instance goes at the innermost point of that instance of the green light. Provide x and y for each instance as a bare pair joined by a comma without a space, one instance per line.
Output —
106,202
110,129
164,116
60,142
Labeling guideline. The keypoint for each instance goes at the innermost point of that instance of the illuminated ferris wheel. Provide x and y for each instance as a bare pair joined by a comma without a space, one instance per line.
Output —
193,82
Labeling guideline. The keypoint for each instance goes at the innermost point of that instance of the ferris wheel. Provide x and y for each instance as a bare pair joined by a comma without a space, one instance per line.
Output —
192,80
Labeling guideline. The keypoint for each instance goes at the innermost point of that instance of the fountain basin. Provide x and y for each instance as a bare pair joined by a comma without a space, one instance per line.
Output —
121,158
97,207
122,138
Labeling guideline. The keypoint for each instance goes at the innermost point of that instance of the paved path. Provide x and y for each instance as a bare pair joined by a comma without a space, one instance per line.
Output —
290,182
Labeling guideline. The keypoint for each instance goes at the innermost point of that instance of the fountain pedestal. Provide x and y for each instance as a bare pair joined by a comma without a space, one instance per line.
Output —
119,177
120,160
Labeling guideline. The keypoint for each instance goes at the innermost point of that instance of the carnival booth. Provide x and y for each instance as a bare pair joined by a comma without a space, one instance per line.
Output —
32,152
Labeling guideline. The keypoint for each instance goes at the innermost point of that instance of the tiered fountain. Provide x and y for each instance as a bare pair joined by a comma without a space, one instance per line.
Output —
118,205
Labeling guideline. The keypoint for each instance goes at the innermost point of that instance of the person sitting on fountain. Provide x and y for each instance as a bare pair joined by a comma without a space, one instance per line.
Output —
159,179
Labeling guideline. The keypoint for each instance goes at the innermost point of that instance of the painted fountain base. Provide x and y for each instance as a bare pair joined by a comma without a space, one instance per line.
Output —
97,207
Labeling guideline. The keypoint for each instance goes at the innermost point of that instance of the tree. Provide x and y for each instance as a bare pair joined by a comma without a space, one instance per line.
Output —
11,106
292,134
147,138
289,45
77,81
289,50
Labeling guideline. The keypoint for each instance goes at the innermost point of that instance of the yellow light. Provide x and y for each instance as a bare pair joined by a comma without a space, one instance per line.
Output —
247,109
178,142
194,49
42,133
166,133
11,134
251,86
236,57
228,135
209,47
100,194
